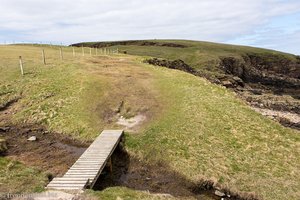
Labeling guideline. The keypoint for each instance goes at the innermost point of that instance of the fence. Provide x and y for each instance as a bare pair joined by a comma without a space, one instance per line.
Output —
47,54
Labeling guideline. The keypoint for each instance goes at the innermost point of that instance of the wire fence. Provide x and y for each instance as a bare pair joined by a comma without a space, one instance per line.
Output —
23,55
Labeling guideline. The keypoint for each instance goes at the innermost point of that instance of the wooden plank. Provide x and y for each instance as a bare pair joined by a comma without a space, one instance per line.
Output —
89,166
69,181
69,184
82,172
73,179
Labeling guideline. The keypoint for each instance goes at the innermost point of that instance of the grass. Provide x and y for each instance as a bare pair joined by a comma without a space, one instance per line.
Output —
202,56
201,130
209,133
17,178
49,95
78,97
122,193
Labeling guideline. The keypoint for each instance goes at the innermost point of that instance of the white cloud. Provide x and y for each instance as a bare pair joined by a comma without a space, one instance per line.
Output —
91,20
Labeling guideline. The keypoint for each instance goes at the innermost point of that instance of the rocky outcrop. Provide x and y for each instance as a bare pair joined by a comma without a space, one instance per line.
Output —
175,64
265,83
253,69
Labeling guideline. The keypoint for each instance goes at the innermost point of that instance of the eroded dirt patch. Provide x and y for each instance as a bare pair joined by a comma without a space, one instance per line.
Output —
131,122
50,152
130,99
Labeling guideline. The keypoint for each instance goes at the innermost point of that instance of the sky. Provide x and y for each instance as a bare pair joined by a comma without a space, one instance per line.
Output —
273,24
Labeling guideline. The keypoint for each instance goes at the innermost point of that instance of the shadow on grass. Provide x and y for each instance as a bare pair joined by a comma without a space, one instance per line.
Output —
158,178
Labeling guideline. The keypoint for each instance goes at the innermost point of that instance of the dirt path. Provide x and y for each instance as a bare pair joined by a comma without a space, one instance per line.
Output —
127,97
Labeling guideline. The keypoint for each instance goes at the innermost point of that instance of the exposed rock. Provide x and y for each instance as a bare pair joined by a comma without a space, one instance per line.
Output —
266,81
227,84
239,81
286,118
252,71
176,64
4,129
32,138
131,122
256,91
219,193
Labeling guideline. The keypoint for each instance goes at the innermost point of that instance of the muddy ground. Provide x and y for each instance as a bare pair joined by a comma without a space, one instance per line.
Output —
156,178
51,152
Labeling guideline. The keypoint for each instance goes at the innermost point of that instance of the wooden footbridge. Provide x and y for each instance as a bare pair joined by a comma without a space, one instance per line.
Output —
86,170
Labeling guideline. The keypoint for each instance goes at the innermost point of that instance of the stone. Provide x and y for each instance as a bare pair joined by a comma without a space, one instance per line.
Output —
227,83
4,129
219,193
32,138
239,81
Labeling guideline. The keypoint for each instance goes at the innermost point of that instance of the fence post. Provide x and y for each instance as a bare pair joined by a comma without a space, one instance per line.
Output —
82,50
96,51
21,65
90,51
44,58
117,50
73,52
61,53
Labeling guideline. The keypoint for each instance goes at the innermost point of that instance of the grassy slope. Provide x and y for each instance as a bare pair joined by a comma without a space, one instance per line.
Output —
201,130
208,132
202,56
51,95
73,96
41,101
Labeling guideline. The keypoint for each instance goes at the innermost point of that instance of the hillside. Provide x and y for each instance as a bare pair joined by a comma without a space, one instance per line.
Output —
185,137
269,80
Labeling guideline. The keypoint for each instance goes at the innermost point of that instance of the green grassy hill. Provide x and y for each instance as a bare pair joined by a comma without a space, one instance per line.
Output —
195,130
202,56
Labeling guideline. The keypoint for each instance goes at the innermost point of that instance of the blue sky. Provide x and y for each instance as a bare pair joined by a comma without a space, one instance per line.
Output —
273,24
